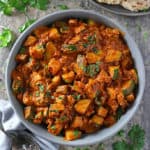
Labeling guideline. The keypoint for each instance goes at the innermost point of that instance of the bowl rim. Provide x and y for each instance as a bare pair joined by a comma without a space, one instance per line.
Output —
102,134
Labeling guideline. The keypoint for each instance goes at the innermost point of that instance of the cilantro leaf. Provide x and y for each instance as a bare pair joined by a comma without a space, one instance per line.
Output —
63,7
120,145
5,8
76,133
40,4
26,25
121,133
19,5
6,37
137,137
92,69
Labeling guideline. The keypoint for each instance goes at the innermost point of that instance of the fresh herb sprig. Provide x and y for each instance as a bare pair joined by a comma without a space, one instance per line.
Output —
136,138
26,25
8,7
6,37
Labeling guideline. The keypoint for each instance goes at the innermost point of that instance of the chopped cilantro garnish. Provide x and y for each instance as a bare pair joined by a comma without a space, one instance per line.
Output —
136,140
22,50
41,87
136,137
76,133
54,110
26,25
95,50
85,45
53,127
72,47
92,39
92,69
48,94
77,97
63,118
60,97
37,93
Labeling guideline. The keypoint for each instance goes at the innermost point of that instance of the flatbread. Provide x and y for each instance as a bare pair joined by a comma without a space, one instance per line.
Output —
136,5
113,2
133,5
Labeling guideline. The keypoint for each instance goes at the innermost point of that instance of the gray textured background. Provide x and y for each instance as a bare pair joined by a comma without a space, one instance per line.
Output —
138,27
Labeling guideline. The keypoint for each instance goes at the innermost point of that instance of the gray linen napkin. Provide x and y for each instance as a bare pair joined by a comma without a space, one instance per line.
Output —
10,122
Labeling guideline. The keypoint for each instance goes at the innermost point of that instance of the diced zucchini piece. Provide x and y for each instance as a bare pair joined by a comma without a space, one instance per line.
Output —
50,50
40,30
71,134
54,66
128,87
30,40
75,39
112,103
17,86
102,111
37,51
92,89
112,92
63,89
56,80
54,33
97,120
77,122
78,86
113,55
121,100
56,107
21,58
28,112
60,99
92,57
55,129
114,72
82,106
80,28
38,118
27,98
68,77
134,75
130,97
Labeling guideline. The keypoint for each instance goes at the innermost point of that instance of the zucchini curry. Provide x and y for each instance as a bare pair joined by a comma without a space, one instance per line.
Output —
74,77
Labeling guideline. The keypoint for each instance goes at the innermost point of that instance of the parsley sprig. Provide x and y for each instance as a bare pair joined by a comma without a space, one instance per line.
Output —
26,25
136,137
6,37
8,7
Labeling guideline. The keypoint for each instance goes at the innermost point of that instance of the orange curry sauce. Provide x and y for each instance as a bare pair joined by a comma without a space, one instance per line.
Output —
75,77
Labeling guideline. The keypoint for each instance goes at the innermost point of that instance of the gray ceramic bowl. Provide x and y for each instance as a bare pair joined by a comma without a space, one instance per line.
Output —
90,138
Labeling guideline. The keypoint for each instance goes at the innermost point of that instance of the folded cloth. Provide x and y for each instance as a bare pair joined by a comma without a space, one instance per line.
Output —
10,123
